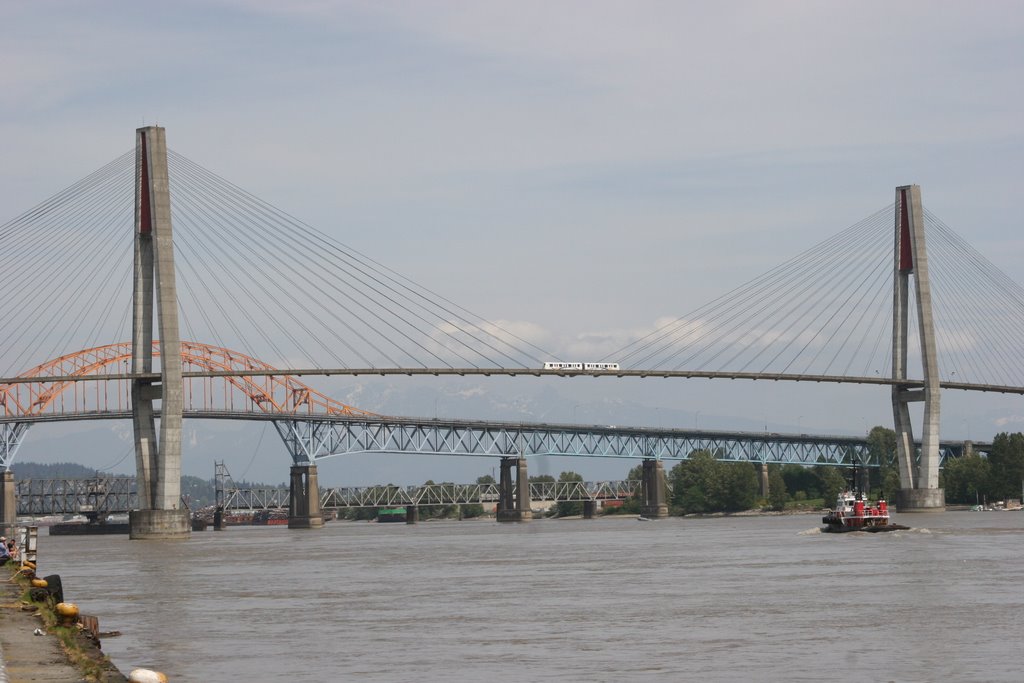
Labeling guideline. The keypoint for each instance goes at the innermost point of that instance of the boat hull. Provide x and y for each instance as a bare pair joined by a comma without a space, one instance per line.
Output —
840,529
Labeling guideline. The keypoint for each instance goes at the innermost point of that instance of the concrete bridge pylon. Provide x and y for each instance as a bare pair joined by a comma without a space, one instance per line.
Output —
160,514
919,473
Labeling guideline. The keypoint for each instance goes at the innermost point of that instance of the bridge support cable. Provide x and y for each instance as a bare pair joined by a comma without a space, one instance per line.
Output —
351,307
70,233
919,475
822,312
979,311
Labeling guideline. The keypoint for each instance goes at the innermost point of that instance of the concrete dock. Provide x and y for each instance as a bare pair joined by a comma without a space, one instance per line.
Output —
25,656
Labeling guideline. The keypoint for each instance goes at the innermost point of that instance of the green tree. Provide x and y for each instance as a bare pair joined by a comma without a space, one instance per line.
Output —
777,494
799,478
966,479
890,477
831,483
694,485
1006,460
740,486
702,484
882,455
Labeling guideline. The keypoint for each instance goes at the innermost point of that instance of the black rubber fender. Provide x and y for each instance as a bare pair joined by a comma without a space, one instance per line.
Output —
54,587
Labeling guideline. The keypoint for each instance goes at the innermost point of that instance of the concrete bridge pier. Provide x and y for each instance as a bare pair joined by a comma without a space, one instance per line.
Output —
304,499
589,509
764,480
919,473
514,500
412,514
218,520
158,462
655,503
8,504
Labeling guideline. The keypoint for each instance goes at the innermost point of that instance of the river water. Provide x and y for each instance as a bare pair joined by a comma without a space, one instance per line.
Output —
613,599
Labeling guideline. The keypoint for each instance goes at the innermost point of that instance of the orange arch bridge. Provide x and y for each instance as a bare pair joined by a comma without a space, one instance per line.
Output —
283,395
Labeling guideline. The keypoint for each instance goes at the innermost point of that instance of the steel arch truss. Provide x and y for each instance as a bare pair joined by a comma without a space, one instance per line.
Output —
259,394
231,389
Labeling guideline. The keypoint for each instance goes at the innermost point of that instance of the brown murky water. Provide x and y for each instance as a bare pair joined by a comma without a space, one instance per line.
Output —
725,599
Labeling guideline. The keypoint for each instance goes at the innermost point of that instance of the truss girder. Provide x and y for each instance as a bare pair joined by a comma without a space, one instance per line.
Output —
11,436
99,496
432,494
308,441
256,499
467,494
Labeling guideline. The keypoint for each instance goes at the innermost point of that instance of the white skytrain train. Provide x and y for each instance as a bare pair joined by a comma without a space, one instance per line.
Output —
581,367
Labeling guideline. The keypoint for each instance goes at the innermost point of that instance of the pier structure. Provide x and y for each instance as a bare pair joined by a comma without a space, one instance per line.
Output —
304,498
8,503
514,498
655,493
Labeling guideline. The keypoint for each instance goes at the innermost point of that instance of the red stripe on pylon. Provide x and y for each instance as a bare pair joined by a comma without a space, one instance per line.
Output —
145,219
906,256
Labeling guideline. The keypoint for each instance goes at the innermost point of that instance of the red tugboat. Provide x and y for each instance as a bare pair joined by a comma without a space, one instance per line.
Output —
853,513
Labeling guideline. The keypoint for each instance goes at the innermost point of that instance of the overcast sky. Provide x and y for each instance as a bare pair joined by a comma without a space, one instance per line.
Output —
578,169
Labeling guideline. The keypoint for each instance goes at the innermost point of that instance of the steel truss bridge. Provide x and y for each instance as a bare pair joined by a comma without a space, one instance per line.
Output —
95,497
433,494
311,439
102,496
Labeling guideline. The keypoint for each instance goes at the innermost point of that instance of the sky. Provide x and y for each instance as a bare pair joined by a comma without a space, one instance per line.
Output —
580,170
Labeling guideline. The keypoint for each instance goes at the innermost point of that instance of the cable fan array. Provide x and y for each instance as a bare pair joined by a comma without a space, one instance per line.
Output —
828,311
253,278
65,270
294,294
978,311
250,277
825,312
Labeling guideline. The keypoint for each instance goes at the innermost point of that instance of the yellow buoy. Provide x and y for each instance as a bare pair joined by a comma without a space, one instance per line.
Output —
39,583
146,676
67,609
30,564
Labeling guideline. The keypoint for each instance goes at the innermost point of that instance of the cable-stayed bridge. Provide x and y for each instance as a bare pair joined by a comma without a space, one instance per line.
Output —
871,305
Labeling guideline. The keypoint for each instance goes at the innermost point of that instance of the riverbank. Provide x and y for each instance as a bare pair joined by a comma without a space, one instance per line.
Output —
32,650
